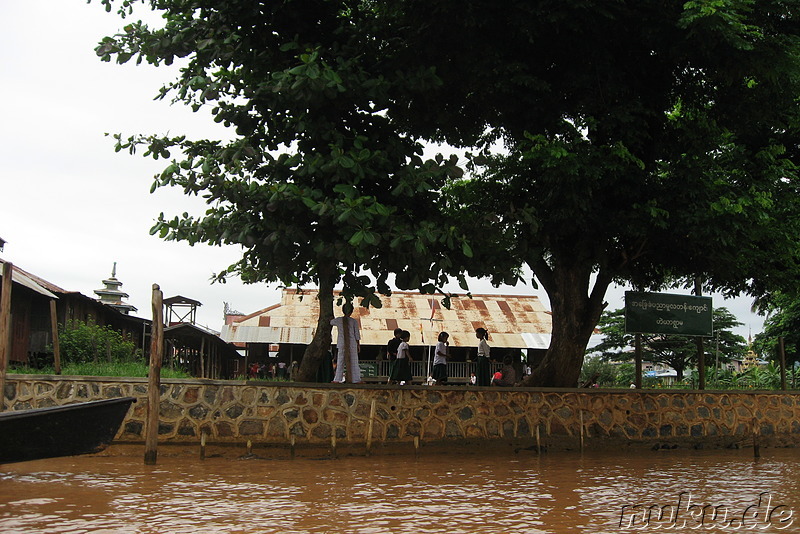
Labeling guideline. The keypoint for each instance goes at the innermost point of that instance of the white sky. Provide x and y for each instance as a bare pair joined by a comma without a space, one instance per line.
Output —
70,206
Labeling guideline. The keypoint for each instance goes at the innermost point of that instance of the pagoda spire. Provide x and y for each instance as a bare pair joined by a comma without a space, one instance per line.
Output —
112,295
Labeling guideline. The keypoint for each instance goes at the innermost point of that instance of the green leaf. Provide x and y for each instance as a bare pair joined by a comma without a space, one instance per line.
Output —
349,191
356,239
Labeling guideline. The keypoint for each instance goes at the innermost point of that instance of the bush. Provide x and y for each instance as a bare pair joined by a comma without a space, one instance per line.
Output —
82,342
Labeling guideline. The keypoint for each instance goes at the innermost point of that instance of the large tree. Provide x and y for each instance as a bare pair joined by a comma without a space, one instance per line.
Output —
316,183
627,141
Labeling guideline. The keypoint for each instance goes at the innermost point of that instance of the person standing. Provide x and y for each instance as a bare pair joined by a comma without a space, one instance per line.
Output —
440,359
391,351
401,373
482,371
348,345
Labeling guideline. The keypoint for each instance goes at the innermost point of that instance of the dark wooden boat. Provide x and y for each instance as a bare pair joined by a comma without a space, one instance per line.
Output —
67,430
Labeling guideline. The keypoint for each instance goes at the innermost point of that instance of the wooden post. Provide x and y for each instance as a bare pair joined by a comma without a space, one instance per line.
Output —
581,421
249,447
202,358
756,445
416,446
370,426
56,346
203,445
154,377
5,329
701,353
292,451
637,357
782,355
701,364
333,445
538,441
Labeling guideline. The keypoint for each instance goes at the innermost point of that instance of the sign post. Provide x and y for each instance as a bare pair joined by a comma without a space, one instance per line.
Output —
666,313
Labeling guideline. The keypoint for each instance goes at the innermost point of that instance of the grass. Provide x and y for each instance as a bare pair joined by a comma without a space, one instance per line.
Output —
118,369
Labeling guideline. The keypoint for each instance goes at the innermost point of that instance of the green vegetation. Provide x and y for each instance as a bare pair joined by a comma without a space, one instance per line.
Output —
121,369
608,374
88,349
82,342
678,352
783,321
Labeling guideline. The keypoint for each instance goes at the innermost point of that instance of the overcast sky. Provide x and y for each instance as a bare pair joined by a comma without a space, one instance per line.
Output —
71,206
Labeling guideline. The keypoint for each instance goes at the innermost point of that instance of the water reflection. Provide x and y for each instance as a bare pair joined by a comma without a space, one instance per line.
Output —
461,493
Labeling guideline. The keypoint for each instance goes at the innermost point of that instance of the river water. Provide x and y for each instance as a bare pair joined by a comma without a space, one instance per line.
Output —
443,493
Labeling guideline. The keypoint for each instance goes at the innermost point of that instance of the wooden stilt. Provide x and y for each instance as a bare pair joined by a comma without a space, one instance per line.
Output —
203,446
292,447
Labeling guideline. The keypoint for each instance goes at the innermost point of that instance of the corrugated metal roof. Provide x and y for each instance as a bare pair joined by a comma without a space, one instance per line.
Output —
513,321
41,282
28,280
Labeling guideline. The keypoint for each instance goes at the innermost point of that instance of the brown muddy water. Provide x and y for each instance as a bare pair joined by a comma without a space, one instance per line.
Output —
676,491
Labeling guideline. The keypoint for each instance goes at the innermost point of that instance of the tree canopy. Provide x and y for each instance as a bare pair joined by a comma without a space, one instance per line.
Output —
317,185
783,321
628,141
640,142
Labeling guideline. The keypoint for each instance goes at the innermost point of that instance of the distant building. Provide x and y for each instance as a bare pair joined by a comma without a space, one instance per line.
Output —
112,296
197,350
32,328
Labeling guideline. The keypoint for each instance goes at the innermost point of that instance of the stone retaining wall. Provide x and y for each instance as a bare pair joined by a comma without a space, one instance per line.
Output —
274,413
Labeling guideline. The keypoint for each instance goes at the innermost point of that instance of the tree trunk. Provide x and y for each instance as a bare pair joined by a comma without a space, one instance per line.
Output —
321,343
678,373
575,314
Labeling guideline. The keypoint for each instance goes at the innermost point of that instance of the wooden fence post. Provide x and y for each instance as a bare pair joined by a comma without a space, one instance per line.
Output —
5,329
56,345
154,378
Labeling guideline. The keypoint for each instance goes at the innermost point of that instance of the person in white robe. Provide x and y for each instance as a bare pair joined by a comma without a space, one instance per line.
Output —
348,345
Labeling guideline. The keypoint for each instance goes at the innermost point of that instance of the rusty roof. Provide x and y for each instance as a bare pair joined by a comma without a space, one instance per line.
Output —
513,321
32,282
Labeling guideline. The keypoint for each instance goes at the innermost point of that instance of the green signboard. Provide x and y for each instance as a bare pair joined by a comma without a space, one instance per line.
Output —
665,313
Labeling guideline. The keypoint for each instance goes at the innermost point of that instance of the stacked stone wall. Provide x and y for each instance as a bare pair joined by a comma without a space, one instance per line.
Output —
270,413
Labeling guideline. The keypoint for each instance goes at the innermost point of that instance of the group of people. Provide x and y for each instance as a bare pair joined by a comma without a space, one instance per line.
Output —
266,371
348,346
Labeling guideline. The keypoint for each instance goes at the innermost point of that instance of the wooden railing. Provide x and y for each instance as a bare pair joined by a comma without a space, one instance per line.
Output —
459,371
